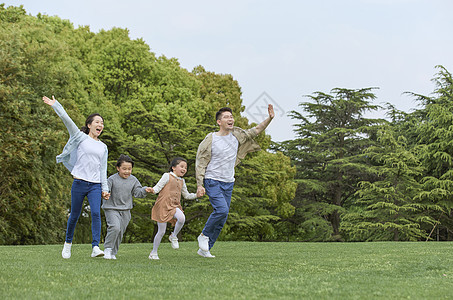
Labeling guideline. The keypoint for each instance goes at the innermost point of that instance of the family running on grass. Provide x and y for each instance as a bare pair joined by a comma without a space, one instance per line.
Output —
85,156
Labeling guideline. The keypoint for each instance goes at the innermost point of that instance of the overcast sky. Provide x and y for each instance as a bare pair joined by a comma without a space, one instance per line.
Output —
280,51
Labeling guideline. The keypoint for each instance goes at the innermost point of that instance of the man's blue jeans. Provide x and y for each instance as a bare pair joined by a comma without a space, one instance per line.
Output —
220,197
81,189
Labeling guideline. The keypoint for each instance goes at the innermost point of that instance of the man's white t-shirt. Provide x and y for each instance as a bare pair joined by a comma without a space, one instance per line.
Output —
89,156
223,157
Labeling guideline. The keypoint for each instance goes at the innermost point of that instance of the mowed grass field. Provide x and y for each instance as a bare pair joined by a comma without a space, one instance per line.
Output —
241,270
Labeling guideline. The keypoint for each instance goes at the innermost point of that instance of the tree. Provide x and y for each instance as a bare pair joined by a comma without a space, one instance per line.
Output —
435,151
153,110
328,154
217,91
32,189
385,209
261,197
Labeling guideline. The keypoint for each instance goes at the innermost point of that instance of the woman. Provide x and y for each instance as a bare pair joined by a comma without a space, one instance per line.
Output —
85,156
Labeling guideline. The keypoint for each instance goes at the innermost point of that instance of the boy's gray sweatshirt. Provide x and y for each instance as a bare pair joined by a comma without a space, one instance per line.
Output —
121,192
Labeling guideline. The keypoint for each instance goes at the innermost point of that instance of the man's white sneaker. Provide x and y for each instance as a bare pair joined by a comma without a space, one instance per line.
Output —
66,253
153,256
113,256
174,241
97,252
203,242
205,253
108,253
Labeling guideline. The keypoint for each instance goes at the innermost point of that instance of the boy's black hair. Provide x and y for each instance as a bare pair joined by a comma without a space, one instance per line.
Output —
176,162
222,110
124,158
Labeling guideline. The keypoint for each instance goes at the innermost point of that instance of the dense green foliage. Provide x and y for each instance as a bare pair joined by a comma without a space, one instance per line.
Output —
373,180
328,152
154,110
384,209
344,177
434,147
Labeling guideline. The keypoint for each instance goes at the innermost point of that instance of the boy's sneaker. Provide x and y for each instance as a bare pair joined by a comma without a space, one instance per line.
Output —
205,253
66,253
113,256
108,253
174,241
203,242
97,252
153,256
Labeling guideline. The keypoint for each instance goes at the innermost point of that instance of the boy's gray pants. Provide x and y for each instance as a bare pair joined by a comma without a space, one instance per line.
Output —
117,221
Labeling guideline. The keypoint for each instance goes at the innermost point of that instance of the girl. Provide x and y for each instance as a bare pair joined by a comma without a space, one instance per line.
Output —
122,186
168,205
85,156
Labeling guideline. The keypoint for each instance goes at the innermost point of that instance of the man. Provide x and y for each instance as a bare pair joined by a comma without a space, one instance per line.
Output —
217,156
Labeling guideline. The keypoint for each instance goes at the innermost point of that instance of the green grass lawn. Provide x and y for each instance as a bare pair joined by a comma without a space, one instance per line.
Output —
240,270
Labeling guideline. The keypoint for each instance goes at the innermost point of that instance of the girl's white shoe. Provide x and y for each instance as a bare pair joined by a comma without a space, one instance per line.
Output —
153,256
174,241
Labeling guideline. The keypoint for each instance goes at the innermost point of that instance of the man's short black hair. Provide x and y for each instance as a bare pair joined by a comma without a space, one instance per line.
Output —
222,110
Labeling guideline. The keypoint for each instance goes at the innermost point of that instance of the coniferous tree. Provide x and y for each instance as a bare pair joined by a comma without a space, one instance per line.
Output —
385,209
332,134
435,151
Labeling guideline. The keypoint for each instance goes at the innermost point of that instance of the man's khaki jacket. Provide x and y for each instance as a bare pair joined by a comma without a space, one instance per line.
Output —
246,141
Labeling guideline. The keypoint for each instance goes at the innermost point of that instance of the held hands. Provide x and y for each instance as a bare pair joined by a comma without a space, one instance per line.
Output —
200,191
149,190
106,195
49,101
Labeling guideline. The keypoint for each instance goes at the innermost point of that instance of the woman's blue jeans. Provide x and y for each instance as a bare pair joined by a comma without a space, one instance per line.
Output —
220,197
81,189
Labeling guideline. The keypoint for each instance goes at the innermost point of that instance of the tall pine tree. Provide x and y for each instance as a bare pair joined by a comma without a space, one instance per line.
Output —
435,151
385,209
328,153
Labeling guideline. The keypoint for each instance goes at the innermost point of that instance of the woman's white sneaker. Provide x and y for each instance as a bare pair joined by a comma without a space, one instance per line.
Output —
66,253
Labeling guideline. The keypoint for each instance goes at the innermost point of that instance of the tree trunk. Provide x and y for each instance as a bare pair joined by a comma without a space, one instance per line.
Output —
335,221
395,235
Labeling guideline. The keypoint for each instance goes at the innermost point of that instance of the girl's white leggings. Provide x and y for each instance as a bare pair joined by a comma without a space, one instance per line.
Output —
162,227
